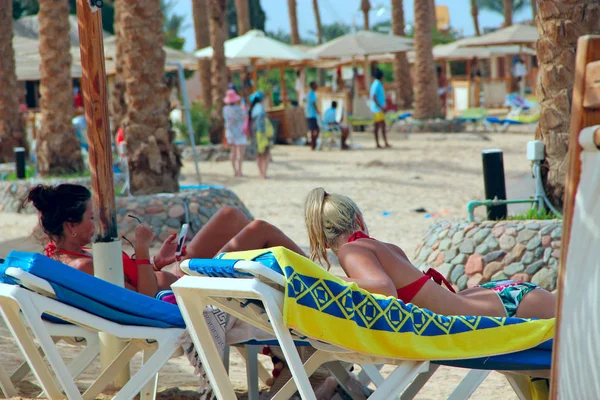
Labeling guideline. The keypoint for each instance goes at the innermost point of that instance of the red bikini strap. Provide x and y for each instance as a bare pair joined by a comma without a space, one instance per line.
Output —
358,235
51,250
439,279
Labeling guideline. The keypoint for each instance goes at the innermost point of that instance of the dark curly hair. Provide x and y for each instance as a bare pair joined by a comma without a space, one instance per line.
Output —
58,204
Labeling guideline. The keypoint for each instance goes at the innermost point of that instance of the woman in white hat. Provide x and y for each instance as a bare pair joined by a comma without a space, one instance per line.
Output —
234,132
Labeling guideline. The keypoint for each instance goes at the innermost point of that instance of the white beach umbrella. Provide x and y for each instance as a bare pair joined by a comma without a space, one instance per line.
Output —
256,45
518,34
363,43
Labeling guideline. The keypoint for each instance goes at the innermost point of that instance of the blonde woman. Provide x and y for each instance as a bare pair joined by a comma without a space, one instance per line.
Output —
335,222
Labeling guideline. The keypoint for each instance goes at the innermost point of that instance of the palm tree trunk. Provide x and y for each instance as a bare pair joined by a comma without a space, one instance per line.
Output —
559,25
58,149
320,71
217,67
154,161
508,13
365,6
118,106
243,16
404,91
475,15
200,14
427,102
534,10
293,22
12,132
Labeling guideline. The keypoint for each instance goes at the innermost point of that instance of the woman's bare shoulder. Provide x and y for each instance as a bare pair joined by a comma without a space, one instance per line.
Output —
83,264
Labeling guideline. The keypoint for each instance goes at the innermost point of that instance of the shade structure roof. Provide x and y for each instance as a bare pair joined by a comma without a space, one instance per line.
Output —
362,43
27,58
518,34
256,45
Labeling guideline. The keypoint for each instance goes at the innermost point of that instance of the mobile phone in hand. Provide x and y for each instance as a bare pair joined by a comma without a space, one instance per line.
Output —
181,239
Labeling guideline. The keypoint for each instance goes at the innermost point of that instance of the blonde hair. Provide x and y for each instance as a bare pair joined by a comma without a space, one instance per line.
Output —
328,216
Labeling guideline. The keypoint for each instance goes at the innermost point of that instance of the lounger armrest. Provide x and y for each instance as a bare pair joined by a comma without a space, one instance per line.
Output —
31,282
260,271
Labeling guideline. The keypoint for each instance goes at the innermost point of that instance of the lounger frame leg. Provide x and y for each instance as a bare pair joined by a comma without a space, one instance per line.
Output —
415,387
469,384
8,389
520,384
252,372
370,373
399,379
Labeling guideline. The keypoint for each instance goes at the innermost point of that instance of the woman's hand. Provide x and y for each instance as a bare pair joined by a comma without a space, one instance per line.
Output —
166,255
144,235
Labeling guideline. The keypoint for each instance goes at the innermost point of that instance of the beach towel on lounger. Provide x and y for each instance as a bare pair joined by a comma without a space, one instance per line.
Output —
324,307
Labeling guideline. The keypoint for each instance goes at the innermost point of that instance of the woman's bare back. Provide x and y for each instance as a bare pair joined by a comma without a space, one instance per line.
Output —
395,263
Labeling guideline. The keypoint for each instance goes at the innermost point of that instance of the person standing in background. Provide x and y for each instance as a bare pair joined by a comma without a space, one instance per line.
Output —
234,122
377,97
442,88
312,111
299,86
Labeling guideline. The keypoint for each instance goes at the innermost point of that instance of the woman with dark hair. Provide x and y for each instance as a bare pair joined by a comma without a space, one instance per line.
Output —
65,215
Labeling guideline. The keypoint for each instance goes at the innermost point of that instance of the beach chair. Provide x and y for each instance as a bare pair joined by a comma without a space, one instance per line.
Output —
496,124
37,290
576,348
254,292
474,117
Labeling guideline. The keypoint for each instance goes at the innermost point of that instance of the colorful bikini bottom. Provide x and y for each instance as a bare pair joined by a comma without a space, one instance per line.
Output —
511,293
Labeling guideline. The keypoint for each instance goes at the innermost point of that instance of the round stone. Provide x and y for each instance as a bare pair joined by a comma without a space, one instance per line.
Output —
507,242
467,246
482,249
510,230
443,234
432,256
547,254
445,244
555,244
534,243
498,231
556,234
545,278
462,282
525,235
425,253
173,223
491,269
547,229
520,227
492,243
546,241
527,258
539,253
432,239
499,276
445,269
459,259
474,264
481,235
439,260
553,263
534,226
493,256
535,267
556,253
520,277
457,272
458,237
474,280
450,254
514,268
517,251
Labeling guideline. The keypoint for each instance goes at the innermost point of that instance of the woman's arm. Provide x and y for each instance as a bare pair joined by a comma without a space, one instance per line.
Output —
363,267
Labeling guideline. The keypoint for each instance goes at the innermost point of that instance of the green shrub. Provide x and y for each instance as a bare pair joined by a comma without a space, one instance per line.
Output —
201,122
534,213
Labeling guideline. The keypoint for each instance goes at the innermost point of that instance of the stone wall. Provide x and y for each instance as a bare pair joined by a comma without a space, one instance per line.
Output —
428,126
164,212
468,254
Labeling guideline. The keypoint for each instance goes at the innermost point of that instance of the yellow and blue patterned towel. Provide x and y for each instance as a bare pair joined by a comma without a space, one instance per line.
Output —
325,307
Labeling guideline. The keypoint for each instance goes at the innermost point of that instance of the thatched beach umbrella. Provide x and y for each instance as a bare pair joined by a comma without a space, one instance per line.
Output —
519,35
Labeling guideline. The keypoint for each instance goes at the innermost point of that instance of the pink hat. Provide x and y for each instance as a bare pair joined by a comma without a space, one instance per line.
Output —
231,97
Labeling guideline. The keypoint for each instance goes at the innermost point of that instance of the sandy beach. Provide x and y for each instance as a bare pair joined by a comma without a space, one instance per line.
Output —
437,172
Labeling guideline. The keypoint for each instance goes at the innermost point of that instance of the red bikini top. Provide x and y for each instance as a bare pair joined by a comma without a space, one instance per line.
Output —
408,292
130,268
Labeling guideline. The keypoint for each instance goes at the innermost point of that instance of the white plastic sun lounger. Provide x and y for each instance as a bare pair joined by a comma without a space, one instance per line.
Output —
254,291
36,288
